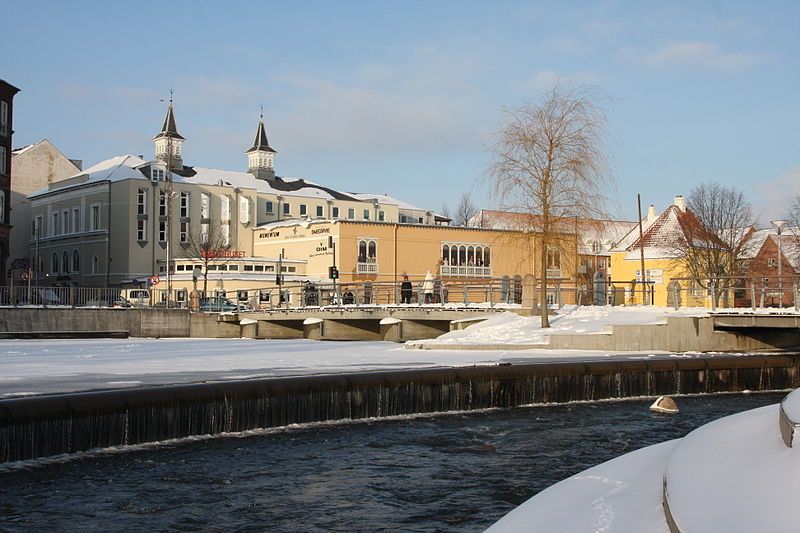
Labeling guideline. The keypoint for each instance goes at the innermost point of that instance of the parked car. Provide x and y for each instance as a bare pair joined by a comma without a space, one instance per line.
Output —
217,304
134,298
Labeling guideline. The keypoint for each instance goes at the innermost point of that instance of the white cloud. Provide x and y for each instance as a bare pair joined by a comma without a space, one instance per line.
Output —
430,104
699,55
778,194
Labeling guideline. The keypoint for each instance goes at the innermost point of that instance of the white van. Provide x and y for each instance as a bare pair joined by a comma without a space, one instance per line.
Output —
136,297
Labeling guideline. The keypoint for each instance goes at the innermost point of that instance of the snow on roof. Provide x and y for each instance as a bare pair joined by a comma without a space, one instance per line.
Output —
122,167
385,199
607,232
20,151
664,233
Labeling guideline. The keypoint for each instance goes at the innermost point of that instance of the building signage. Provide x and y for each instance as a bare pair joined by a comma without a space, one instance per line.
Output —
319,231
269,234
222,254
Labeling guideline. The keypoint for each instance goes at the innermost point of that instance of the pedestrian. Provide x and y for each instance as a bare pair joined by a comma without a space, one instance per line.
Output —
405,291
427,287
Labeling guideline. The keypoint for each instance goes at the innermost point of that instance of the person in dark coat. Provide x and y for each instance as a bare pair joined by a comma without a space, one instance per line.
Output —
405,291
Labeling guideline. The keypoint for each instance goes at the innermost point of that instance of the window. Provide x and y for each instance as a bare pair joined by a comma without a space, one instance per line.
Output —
65,218
162,231
141,230
205,205
205,232
3,162
335,212
162,204
157,174
65,262
287,209
95,220
225,233
268,207
95,265
403,219
554,259
37,226
54,263
319,211
366,214
233,267
3,118
601,263
225,207
76,261
2,206
184,236
259,268
351,213
184,205
303,210
56,227
244,210
180,268
420,220
771,262
248,268
76,219
381,216
595,247
141,202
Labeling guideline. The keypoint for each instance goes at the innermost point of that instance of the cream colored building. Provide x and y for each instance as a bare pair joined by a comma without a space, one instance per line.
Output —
109,225
34,166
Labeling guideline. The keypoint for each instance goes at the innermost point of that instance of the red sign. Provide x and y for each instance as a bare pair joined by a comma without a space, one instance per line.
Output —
222,254
154,280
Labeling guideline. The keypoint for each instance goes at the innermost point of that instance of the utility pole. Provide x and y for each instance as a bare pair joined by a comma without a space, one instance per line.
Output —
641,249
336,274
279,279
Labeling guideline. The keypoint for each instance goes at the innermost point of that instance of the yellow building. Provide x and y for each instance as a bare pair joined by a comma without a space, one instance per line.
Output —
463,260
664,272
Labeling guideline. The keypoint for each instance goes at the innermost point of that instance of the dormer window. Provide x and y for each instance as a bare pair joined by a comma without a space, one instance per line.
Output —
157,174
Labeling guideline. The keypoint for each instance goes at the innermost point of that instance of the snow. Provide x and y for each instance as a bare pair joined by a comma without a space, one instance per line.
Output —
622,495
735,474
48,366
510,328
791,406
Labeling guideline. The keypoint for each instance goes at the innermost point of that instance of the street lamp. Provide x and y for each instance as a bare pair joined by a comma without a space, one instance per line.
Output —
778,225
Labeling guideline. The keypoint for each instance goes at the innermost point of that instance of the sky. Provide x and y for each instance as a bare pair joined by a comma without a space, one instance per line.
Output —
404,98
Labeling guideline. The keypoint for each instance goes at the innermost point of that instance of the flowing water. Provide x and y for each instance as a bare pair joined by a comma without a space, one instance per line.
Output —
458,472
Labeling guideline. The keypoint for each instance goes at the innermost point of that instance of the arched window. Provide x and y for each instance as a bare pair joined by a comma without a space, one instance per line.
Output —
446,254
478,256
95,264
595,247
362,251
471,256
462,256
453,256
54,264
371,250
65,262
486,257
76,261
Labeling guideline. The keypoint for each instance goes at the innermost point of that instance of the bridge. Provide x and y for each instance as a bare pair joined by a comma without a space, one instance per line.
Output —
397,324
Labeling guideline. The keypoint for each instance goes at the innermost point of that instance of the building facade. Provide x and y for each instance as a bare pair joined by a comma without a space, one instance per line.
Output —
126,218
34,166
7,93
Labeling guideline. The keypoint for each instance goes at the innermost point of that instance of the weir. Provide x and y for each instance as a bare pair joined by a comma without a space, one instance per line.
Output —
43,426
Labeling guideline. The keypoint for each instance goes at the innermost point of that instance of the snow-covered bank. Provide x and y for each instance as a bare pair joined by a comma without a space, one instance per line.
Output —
509,328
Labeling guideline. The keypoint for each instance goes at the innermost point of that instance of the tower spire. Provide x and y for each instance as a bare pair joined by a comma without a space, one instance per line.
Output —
168,142
261,155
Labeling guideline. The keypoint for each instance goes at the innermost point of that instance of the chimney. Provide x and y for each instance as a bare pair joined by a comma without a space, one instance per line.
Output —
680,203
651,213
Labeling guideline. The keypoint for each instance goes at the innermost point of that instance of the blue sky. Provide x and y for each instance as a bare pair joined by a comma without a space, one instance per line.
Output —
402,97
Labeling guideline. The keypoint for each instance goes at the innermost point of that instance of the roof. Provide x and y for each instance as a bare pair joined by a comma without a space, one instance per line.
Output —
261,143
169,129
9,86
661,236
790,245
386,200
607,232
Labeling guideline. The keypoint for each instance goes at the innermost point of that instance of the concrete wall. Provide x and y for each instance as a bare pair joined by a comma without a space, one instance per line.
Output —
137,322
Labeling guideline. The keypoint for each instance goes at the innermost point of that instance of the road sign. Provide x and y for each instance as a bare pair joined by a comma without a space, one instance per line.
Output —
154,280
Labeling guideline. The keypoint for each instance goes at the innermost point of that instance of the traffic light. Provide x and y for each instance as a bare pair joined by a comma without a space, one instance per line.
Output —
333,272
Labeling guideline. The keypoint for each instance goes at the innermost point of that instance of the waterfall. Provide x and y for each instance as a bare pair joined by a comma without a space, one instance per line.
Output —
42,426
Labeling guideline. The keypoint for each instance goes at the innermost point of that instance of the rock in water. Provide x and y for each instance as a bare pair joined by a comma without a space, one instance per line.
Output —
664,404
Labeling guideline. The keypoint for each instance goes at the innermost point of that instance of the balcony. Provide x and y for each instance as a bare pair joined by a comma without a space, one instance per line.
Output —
467,271
366,268
553,273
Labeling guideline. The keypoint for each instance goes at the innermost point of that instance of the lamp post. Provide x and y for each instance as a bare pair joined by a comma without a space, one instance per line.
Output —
778,225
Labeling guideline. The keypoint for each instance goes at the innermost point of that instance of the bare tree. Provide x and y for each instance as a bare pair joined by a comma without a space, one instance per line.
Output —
551,164
445,211
465,210
210,246
713,246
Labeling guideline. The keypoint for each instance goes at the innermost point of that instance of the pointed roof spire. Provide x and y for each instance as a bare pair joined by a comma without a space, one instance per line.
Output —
169,129
261,143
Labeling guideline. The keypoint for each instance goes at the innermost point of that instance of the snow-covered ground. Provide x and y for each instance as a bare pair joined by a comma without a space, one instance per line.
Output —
510,328
46,366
